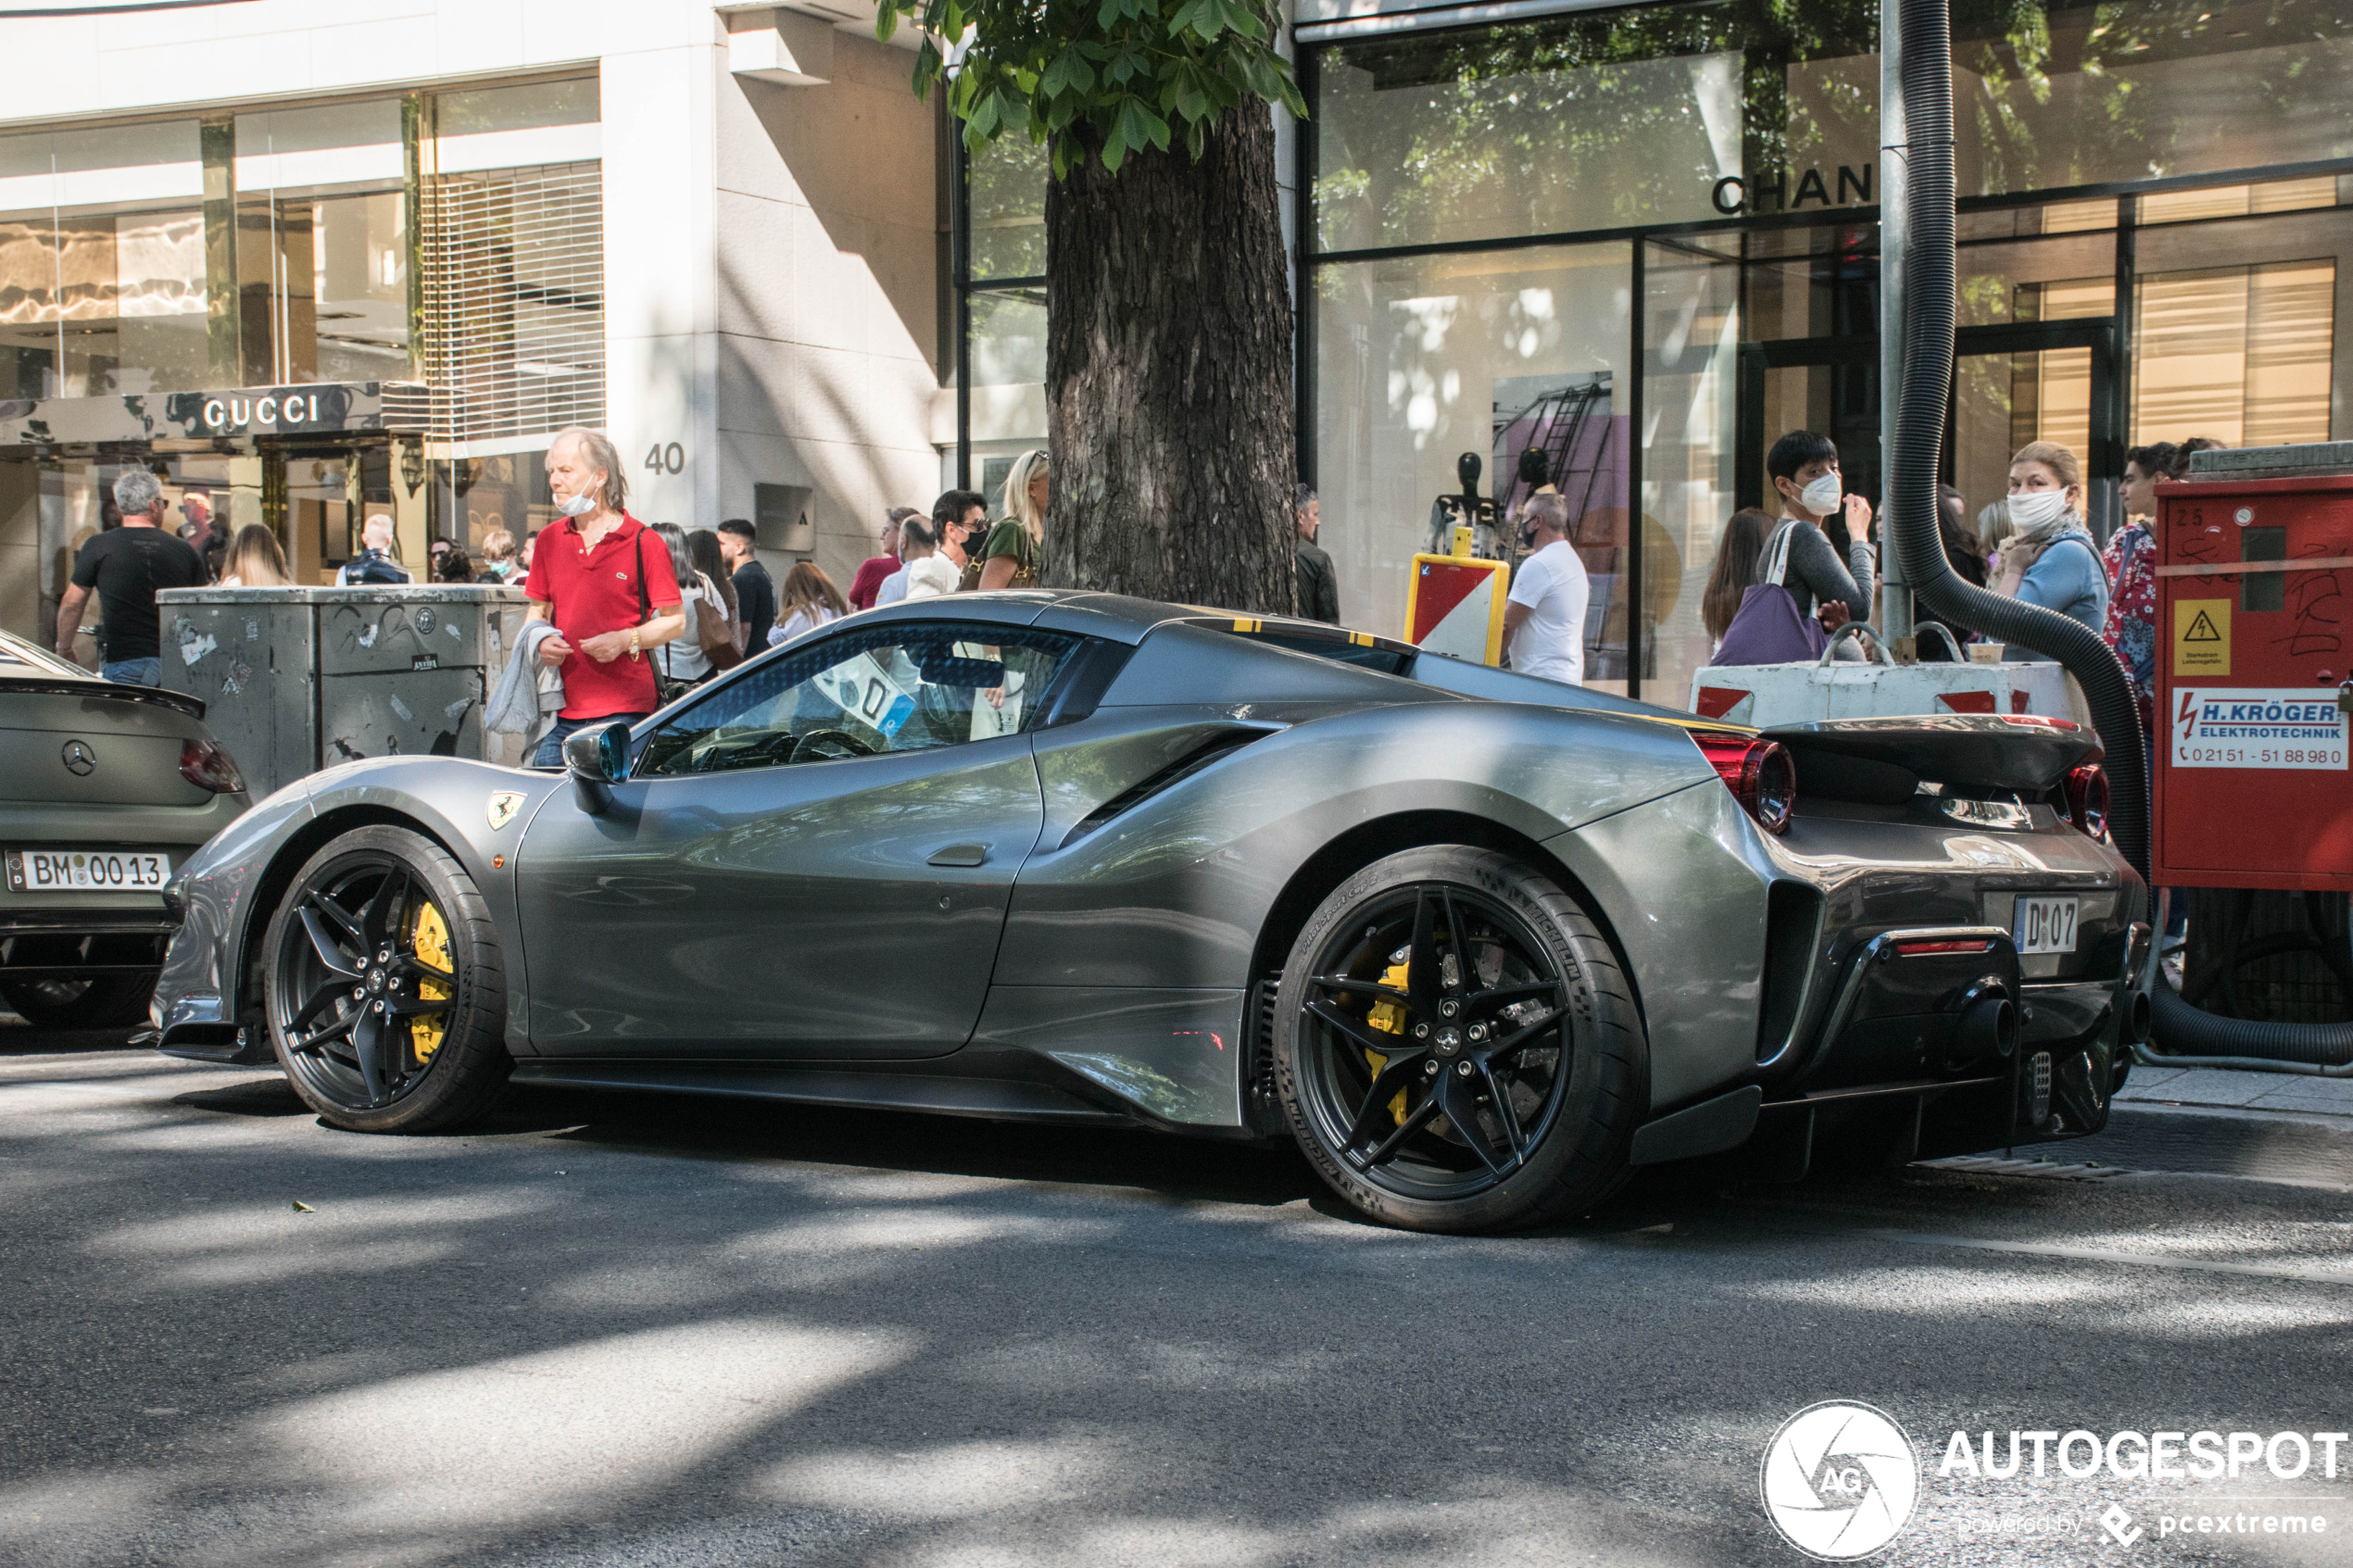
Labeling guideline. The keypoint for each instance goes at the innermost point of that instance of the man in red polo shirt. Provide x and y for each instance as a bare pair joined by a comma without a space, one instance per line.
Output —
608,588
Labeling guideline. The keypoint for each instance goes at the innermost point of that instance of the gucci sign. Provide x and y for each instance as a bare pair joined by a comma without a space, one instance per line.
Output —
237,412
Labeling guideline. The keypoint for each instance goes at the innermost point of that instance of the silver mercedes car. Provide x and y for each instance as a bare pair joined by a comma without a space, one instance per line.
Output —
105,793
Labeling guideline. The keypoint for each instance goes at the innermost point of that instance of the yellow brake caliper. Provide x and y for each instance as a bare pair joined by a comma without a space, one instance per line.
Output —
430,940
1389,1017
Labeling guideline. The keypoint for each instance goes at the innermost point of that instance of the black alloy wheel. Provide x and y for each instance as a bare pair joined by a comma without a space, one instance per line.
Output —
385,997
1457,1049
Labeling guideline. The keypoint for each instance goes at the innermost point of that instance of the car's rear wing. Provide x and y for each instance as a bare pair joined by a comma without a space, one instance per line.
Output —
104,691
1889,759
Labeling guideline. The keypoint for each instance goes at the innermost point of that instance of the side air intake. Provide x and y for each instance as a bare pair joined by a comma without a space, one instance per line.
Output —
1209,750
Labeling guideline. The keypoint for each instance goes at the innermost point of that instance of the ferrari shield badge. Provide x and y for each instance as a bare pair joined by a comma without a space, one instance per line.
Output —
503,804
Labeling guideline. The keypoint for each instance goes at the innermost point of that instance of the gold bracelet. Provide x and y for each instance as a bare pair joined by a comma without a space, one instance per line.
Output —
632,641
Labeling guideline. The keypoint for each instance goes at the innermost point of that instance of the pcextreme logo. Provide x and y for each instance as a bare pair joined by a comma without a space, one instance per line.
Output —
1838,1480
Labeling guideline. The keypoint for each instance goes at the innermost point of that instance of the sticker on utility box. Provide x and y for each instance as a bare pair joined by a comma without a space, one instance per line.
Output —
2201,637
2267,727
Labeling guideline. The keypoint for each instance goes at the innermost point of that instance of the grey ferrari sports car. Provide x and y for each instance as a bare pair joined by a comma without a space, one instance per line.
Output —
1481,943
105,790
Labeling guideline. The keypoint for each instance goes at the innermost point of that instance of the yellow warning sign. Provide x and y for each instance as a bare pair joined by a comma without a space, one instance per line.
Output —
2201,636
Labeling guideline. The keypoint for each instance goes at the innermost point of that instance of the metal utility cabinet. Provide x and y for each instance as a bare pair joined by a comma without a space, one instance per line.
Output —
2254,775
299,679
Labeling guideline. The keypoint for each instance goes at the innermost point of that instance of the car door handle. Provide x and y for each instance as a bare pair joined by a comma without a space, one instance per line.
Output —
961,855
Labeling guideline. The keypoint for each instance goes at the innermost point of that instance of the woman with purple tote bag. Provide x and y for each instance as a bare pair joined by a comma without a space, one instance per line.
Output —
1768,629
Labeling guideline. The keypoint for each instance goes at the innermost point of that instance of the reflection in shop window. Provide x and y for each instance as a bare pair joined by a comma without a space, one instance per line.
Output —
1690,333
94,305
359,265
105,304
2241,354
1587,122
321,246
1005,209
1422,359
1635,115
102,264
2047,95
1006,362
505,490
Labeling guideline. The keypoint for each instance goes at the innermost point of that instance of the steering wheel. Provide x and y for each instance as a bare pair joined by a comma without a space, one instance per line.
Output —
845,744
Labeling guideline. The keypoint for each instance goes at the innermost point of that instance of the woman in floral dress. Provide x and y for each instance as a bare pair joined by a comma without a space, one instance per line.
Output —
2131,559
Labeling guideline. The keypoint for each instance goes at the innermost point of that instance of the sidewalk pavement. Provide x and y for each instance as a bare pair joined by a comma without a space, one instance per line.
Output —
2266,1126
2214,1088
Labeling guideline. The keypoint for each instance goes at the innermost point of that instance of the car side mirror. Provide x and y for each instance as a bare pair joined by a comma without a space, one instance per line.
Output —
597,757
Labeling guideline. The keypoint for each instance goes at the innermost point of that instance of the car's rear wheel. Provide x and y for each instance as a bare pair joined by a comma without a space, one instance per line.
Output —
103,1001
1455,1046
385,995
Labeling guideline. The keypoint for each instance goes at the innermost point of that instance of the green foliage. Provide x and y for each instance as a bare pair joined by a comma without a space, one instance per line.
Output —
1096,78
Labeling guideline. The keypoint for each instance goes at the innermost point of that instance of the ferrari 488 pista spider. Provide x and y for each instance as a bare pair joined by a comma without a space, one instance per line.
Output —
1481,943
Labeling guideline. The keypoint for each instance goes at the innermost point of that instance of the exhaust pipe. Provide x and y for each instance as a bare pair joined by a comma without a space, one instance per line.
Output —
1987,1032
1925,61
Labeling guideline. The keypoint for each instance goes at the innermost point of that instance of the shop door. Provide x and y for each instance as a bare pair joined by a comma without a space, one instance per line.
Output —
2013,383
315,492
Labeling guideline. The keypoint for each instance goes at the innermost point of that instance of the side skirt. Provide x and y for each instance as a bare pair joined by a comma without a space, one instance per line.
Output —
1000,1099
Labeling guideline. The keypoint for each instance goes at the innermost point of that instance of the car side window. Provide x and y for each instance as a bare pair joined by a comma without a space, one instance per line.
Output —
902,686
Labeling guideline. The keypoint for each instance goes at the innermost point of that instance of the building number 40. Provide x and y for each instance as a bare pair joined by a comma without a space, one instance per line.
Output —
665,459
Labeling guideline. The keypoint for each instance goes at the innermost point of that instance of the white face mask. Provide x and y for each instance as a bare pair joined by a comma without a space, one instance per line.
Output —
2035,512
1822,497
580,505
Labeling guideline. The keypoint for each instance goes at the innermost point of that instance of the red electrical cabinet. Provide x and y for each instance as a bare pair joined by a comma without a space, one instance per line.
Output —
2254,648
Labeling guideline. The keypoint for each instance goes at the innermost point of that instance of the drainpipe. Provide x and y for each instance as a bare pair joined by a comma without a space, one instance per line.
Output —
1894,234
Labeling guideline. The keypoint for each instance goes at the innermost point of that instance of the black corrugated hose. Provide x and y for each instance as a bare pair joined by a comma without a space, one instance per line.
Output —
1929,282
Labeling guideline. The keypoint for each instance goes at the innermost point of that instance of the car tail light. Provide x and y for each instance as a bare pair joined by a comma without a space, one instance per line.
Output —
204,764
1758,772
1938,949
2088,798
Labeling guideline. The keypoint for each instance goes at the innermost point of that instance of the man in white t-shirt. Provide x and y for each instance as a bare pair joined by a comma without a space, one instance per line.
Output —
1544,620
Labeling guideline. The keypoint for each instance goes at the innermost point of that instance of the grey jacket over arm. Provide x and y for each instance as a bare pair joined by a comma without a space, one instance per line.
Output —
528,695
1815,574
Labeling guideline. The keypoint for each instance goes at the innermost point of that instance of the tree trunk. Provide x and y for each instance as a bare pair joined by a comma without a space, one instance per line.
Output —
1168,376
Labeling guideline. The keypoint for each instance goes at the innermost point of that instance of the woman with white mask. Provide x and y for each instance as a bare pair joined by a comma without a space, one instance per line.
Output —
1830,561
2049,559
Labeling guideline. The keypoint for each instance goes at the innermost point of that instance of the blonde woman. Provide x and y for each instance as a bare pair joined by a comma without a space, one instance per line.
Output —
1010,558
807,601
255,560
2049,559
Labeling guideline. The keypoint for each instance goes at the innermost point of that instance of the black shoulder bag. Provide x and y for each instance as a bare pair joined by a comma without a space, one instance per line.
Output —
666,689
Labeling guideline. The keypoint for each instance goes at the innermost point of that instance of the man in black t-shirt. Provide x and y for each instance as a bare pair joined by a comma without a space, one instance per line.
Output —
755,590
126,566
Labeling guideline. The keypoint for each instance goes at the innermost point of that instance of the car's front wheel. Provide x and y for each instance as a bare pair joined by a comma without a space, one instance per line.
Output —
385,994
1457,1048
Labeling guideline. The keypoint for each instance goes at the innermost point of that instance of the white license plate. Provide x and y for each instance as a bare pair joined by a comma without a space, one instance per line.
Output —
88,871
2045,925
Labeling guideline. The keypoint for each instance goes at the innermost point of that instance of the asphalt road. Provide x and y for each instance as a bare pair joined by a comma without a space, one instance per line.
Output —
644,1332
